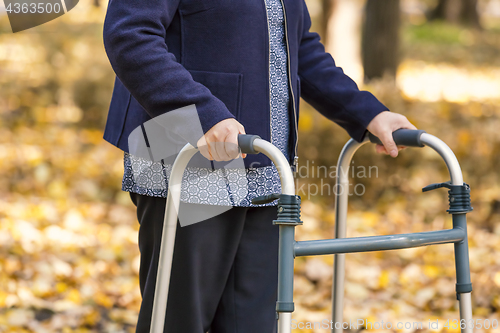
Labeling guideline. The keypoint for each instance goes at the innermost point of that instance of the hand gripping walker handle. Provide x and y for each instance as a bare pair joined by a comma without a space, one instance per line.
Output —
403,137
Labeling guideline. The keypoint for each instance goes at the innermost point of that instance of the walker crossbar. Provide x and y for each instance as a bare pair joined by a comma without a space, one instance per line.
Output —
289,218
378,243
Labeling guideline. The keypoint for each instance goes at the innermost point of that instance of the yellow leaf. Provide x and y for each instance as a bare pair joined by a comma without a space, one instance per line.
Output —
102,299
74,296
383,280
431,271
3,297
370,219
61,287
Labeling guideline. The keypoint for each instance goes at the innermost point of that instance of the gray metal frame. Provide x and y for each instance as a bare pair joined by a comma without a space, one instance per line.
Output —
289,248
168,239
457,235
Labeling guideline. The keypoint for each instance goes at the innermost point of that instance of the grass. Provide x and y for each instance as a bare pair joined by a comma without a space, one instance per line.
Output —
444,42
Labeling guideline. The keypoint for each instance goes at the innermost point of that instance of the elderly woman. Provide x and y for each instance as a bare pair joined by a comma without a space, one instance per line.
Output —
243,65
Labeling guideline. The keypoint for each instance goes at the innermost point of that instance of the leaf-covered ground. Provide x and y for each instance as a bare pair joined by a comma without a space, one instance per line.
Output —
68,235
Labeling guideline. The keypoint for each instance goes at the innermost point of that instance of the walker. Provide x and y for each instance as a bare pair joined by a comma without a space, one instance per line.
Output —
289,217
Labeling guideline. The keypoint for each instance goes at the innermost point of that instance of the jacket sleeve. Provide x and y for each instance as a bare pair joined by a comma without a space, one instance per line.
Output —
134,39
329,90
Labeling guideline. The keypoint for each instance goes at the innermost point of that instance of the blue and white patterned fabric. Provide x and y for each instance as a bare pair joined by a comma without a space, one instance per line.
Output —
228,187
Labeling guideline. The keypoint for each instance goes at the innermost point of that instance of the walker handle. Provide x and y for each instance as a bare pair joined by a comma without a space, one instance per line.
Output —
403,137
245,141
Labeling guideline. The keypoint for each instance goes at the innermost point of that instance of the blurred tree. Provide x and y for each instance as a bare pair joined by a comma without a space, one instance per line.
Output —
457,11
328,8
380,38
343,37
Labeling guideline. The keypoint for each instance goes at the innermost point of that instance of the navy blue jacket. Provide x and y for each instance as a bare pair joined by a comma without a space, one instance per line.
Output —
169,54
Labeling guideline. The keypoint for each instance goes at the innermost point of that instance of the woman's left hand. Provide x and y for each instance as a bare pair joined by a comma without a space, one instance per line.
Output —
383,125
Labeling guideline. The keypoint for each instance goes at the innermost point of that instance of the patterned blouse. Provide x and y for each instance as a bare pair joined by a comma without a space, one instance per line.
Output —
228,187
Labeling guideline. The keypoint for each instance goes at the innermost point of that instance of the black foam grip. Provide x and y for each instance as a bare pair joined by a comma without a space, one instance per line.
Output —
403,137
245,141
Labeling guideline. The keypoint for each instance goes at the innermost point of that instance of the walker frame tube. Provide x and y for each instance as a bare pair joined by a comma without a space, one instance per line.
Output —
168,239
286,234
286,237
378,243
457,235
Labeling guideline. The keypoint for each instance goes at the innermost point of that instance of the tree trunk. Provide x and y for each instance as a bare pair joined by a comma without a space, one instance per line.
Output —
328,6
457,11
447,10
344,37
469,15
380,38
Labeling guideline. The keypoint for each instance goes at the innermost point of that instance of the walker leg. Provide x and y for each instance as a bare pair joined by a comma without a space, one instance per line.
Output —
463,286
284,322
164,267
338,293
341,198
284,304
339,268
168,239
465,304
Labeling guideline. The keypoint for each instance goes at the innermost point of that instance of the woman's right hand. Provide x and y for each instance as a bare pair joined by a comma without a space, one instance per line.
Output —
220,143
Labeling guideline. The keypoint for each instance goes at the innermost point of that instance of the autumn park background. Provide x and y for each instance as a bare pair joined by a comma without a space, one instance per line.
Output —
68,235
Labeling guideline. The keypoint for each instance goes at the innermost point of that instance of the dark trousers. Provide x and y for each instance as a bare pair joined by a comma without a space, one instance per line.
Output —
224,270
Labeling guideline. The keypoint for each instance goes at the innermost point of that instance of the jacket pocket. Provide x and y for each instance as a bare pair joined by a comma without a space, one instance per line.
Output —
189,7
225,86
